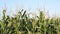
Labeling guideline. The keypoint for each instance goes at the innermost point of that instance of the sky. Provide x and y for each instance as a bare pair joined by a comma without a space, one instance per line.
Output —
53,6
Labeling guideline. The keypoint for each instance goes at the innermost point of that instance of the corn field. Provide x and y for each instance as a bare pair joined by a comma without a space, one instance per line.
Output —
21,23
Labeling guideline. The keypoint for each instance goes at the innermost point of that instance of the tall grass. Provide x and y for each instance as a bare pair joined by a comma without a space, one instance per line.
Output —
21,23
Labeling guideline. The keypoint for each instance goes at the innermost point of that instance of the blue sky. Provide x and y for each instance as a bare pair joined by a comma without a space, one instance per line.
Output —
53,6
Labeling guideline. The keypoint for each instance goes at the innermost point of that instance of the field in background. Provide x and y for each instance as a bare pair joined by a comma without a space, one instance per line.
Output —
22,23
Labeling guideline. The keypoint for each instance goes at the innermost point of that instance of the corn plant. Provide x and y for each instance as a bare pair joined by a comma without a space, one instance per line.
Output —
21,23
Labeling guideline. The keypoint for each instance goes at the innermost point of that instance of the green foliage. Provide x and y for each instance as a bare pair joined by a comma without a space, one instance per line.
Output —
21,23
